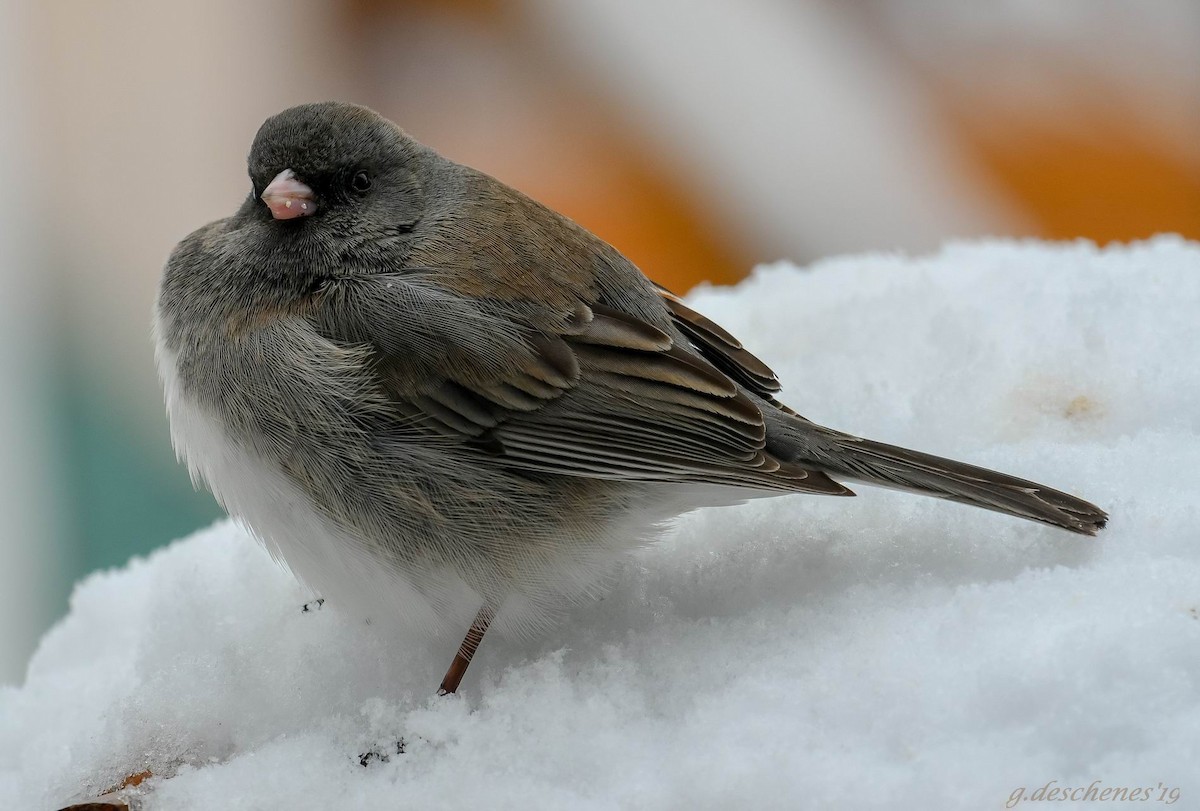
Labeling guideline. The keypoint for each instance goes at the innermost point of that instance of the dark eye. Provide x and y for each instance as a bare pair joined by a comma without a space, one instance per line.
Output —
360,182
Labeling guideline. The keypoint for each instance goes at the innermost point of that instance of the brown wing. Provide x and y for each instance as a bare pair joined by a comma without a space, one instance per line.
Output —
604,395
725,351
720,348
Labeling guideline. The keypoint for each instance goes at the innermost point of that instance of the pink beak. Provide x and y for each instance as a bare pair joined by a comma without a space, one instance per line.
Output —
288,198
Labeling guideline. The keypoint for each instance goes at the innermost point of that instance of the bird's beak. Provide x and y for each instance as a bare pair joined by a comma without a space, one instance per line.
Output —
288,198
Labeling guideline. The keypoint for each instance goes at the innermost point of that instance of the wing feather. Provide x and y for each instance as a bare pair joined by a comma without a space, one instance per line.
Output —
720,348
604,394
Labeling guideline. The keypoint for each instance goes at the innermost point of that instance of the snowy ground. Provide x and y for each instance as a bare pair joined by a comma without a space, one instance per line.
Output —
883,652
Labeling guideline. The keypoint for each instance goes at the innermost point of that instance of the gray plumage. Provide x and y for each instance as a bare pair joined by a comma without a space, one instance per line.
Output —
435,393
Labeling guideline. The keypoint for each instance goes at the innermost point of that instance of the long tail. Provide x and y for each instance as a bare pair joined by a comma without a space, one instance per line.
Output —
883,465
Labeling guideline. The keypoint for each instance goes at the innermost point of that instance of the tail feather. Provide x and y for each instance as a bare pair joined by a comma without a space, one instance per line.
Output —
884,465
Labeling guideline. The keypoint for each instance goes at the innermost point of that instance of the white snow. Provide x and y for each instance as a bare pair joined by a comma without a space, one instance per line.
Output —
887,651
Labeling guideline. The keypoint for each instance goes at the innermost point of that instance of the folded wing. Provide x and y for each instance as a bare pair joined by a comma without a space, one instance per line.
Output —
600,394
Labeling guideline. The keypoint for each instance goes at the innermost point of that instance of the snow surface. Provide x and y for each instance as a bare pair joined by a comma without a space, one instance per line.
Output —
888,651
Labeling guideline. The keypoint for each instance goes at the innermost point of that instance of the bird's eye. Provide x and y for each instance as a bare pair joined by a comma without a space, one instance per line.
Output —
360,182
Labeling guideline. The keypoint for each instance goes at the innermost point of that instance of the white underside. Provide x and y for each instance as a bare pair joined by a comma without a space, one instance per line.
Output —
340,567
337,565
272,509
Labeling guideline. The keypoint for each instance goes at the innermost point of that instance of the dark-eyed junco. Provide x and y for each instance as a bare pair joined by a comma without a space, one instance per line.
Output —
431,396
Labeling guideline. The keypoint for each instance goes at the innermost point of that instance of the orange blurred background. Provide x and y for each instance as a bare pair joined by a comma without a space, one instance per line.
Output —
1056,127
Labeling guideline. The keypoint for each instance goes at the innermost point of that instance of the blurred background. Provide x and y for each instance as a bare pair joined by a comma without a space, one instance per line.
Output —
700,137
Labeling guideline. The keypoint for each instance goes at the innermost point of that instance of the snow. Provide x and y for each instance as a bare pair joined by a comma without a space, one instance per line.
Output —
883,652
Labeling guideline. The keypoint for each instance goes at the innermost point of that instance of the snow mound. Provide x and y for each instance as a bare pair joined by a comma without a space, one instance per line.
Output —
887,651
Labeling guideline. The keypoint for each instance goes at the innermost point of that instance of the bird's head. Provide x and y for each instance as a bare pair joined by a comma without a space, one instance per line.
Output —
336,168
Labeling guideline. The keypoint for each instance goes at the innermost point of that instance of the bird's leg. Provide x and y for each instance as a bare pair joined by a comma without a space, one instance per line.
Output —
466,651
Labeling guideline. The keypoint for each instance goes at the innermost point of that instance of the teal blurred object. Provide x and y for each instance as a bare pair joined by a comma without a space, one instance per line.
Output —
125,492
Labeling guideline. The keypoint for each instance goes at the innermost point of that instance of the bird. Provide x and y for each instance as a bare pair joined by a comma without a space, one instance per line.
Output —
435,399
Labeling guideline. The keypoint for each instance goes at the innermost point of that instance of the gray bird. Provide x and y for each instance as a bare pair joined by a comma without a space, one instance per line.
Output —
432,397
